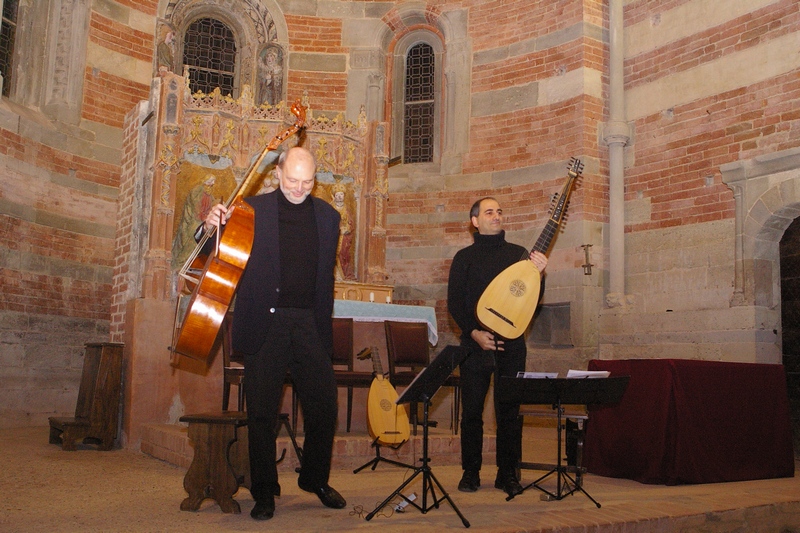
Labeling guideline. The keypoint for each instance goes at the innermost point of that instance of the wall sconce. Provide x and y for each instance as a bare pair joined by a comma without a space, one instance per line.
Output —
587,266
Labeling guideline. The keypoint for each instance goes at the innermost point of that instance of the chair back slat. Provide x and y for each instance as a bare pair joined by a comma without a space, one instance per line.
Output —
407,344
89,375
228,355
343,342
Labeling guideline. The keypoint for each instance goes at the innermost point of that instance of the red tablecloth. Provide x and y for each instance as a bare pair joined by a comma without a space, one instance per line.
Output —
692,422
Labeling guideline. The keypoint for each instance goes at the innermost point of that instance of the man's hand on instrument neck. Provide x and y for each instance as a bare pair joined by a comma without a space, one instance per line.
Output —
219,214
486,340
539,260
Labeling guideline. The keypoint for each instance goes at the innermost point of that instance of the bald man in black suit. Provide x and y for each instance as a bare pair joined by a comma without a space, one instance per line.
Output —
282,321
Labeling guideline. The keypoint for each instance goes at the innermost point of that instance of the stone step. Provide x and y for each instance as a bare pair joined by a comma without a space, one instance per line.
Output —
170,443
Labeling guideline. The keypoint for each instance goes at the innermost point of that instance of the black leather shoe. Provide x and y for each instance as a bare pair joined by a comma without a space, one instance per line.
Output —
329,496
470,481
509,485
263,509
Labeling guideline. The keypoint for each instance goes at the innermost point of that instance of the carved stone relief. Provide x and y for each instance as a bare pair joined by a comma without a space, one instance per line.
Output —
270,75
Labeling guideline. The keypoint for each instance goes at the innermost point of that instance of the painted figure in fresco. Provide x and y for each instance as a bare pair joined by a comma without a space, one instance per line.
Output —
344,265
270,66
165,51
198,205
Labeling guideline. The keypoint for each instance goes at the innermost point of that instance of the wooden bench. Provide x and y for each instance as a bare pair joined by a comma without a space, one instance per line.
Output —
97,409
221,463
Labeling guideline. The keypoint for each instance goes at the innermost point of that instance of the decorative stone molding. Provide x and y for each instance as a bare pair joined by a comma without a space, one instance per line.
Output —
767,194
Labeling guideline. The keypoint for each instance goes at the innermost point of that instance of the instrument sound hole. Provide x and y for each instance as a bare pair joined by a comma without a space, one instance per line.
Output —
517,288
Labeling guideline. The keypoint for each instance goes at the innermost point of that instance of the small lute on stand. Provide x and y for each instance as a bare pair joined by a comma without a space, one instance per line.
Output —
214,288
388,422
507,304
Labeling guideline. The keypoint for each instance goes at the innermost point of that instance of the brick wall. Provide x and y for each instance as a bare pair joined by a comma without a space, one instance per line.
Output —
315,38
680,148
516,133
125,245
702,92
58,217
148,7
700,96
107,96
56,248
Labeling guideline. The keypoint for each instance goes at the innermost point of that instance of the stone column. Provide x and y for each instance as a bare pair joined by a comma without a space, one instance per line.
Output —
616,135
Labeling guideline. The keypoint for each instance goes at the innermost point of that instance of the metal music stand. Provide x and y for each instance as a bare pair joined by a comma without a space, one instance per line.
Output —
421,390
557,392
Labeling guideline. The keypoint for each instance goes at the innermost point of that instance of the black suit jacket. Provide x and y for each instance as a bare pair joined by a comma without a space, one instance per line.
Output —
259,286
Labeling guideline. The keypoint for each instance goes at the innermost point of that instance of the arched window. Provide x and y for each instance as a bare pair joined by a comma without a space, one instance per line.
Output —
417,97
209,50
418,134
7,36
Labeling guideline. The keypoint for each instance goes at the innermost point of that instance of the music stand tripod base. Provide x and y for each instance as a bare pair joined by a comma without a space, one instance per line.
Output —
558,392
565,486
421,390
380,459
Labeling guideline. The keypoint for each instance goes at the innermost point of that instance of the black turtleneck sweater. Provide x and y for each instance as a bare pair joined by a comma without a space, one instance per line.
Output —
298,240
473,268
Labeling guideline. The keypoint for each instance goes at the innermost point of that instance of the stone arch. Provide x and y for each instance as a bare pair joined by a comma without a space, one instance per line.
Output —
396,99
254,24
767,194
766,273
377,57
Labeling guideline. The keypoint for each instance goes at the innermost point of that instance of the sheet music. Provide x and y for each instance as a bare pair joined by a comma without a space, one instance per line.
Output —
588,374
537,375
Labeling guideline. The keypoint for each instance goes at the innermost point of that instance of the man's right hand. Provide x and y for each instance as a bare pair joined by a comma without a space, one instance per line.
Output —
218,215
486,340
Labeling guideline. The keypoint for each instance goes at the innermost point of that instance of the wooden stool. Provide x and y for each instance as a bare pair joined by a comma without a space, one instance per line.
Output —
220,465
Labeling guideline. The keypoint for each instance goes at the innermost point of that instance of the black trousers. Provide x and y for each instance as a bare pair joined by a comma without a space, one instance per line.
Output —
292,344
476,374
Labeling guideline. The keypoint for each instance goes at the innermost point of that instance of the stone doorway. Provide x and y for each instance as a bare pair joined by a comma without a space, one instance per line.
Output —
790,319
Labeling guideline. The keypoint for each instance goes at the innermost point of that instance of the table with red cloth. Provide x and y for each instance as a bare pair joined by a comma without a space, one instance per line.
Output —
684,421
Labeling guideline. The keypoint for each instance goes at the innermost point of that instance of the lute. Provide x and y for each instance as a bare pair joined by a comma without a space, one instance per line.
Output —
507,304
387,421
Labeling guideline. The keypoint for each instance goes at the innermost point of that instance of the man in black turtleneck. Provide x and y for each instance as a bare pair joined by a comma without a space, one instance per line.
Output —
473,268
282,321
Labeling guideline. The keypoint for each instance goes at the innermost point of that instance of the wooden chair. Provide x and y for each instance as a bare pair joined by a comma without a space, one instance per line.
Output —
343,357
97,409
407,345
